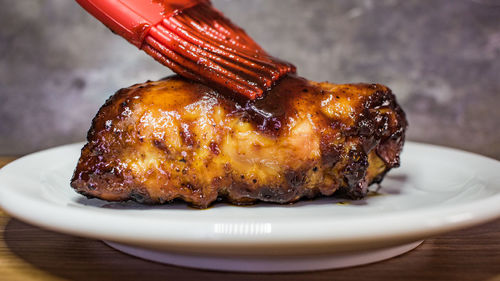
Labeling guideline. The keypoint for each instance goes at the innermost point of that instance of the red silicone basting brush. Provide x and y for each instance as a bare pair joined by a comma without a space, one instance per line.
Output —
194,40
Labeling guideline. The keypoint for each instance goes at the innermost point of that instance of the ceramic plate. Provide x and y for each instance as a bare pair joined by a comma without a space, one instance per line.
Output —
435,190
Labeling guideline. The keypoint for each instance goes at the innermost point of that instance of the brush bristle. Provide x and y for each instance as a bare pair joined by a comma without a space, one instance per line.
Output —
201,44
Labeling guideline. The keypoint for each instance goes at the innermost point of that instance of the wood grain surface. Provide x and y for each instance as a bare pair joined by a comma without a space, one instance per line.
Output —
31,253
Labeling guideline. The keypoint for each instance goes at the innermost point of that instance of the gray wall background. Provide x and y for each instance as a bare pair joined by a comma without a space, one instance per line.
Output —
441,58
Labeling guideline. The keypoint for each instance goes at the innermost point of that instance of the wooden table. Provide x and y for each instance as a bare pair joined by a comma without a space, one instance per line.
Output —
30,253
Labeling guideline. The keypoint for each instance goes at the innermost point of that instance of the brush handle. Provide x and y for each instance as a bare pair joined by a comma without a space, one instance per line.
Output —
132,19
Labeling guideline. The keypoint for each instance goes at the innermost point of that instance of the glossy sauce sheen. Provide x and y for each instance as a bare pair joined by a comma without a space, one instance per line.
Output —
177,139
272,111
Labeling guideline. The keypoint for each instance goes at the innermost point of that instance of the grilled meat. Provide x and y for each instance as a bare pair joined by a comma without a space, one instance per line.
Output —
178,139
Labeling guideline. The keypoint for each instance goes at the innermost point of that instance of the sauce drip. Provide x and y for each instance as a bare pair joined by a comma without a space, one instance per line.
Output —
271,112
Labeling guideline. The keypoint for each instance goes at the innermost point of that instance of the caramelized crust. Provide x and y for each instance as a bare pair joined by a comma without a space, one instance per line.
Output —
178,139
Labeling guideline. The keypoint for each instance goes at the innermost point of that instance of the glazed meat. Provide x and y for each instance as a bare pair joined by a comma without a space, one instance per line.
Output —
178,139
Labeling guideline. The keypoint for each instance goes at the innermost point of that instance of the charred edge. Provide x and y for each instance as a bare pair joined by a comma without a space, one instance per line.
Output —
160,144
354,174
276,194
214,148
141,196
295,179
330,154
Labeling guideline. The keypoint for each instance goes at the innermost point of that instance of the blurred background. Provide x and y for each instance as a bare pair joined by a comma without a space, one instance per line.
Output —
441,58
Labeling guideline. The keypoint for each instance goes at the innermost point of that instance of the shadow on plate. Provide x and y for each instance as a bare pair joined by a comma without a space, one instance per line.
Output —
181,205
396,181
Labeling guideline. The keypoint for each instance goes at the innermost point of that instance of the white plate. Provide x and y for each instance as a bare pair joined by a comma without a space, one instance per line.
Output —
435,190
